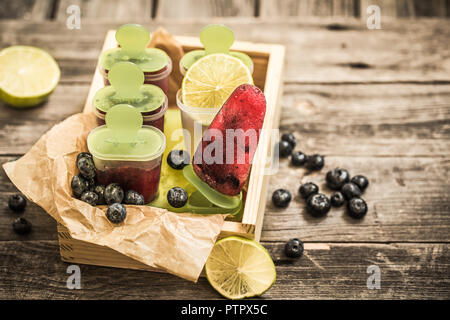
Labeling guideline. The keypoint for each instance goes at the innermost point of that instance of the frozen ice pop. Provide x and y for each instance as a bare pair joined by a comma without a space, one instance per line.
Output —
223,157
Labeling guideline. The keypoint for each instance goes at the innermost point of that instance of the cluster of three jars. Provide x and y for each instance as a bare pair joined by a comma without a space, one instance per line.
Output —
128,145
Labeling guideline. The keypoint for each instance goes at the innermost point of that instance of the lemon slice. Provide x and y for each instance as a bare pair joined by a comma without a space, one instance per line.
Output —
240,268
209,82
28,75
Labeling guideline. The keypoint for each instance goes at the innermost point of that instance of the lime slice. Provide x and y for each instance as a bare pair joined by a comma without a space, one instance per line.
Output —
28,75
209,82
240,268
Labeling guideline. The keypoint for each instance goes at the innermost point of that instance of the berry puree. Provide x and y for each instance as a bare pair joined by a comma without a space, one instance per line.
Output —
148,120
142,180
158,78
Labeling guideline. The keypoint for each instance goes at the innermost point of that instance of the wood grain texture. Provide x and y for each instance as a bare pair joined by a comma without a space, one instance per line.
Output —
189,9
326,271
34,10
306,8
413,52
108,10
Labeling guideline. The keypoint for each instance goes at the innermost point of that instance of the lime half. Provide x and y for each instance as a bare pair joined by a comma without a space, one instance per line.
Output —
209,82
240,268
28,75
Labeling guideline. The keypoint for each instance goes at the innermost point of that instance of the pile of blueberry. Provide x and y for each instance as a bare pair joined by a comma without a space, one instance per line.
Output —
178,159
85,187
318,204
17,203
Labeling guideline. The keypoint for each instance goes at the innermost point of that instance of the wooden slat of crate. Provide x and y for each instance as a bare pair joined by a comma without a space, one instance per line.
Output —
268,67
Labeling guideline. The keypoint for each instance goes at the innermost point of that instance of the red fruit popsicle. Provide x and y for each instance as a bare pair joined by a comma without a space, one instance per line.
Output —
223,157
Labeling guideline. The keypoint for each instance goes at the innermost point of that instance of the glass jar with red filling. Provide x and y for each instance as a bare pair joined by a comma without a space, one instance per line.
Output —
128,153
127,88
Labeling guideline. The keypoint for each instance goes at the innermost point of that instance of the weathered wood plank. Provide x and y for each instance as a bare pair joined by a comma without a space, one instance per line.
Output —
406,8
416,52
21,128
408,271
306,8
189,9
107,10
408,200
34,10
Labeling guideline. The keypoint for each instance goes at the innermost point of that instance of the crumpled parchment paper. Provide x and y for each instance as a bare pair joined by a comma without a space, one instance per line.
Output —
176,243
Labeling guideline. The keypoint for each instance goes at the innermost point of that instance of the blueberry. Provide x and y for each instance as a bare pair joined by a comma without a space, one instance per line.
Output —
84,155
337,199
178,159
100,191
289,137
318,204
308,189
92,183
133,197
336,178
281,198
298,158
113,193
350,190
361,181
17,202
86,167
284,148
79,185
356,208
116,213
21,226
293,248
90,197
315,162
177,197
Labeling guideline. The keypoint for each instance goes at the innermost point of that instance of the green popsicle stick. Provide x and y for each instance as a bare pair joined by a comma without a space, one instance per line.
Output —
127,79
132,38
217,198
217,38
124,121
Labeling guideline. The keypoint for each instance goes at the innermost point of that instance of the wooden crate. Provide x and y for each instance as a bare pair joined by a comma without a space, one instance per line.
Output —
268,62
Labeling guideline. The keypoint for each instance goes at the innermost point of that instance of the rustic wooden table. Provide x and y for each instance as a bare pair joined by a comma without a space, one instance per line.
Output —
374,101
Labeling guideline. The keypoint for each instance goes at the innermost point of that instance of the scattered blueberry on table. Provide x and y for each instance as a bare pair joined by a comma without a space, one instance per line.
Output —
336,178
293,248
337,199
281,198
318,205
22,226
350,190
17,202
308,189
315,162
177,197
357,208
298,158
284,148
361,181
289,137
